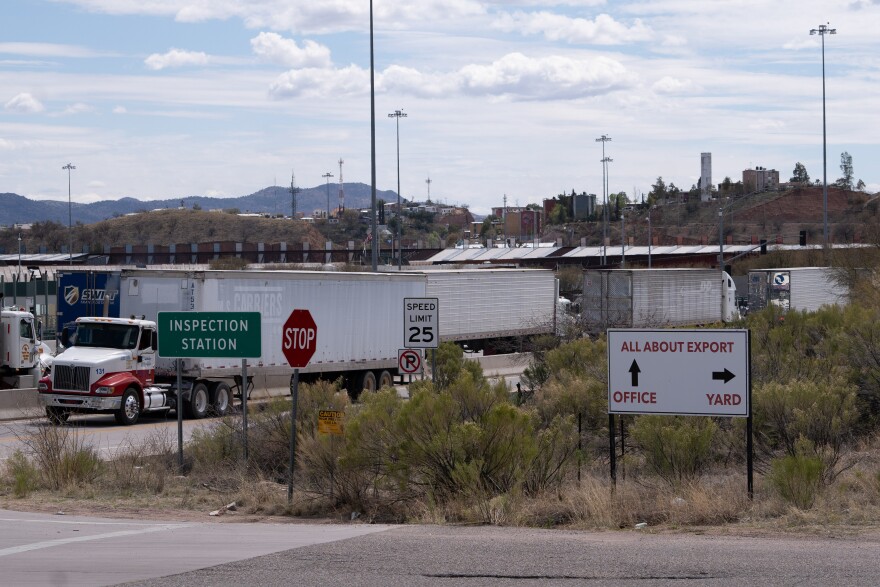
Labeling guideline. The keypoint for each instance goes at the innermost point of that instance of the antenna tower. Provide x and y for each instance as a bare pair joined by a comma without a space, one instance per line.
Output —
341,188
428,181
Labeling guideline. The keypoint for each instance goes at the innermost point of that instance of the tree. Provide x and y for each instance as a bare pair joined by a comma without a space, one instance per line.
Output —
658,191
860,186
800,175
846,167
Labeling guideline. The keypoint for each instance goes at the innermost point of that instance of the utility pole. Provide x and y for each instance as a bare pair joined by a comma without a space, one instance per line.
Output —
428,181
373,226
69,167
341,190
397,115
605,160
822,31
327,176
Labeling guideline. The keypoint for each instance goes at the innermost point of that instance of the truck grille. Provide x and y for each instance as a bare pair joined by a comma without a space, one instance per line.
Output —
71,378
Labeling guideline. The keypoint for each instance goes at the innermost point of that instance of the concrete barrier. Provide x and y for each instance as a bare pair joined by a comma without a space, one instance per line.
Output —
19,403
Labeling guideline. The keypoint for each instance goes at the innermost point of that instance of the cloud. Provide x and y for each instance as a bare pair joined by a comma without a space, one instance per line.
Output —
46,50
546,78
514,76
604,30
176,58
326,83
24,103
671,85
798,44
77,108
119,110
275,48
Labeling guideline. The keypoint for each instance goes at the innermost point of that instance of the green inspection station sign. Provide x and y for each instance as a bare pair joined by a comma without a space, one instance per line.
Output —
217,335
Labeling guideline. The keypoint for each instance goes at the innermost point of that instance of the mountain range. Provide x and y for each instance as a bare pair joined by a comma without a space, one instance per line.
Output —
272,200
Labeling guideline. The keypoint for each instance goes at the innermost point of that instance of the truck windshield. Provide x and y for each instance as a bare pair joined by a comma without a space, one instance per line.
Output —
113,336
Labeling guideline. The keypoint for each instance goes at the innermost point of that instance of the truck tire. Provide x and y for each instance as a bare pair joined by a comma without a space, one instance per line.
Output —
221,397
130,409
57,415
385,379
368,381
197,406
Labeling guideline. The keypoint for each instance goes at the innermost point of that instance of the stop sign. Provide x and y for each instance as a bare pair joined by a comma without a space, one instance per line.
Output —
299,338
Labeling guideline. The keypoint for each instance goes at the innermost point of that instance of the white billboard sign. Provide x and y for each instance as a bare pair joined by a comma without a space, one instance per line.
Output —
679,372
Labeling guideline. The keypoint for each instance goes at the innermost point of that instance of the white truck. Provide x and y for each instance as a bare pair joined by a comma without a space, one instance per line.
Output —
656,298
796,288
360,320
19,349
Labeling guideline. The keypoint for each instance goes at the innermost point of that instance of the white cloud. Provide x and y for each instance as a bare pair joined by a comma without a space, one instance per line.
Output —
176,58
798,44
46,50
671,85
604,30
548,78
275,48
324,83
24,103
119,110
77,108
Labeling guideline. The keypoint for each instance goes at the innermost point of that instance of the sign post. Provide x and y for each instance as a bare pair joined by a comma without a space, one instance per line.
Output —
421,326
680,372
299,338
208,335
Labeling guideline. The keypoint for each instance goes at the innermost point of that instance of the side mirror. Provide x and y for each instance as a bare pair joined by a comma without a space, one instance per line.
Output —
40,330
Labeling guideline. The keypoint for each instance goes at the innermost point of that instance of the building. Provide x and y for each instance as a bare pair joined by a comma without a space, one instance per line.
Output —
760,179
583,206
523,224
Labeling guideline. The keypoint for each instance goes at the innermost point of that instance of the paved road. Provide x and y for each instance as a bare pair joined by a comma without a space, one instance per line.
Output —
41,549
427,556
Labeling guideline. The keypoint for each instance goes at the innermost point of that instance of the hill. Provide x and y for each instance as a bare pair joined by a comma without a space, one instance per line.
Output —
271,200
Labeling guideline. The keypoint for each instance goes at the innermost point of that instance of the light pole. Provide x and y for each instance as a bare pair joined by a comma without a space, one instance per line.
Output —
374,228
397,115
822,31
604,139
69,167
327,176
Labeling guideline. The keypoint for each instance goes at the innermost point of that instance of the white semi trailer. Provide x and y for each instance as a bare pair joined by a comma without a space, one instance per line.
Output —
656,298
359,317
796,288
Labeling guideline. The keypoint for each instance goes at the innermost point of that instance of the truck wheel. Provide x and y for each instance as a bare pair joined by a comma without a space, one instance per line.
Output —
130,409
385,379
368,381
197,406
57,415
220,399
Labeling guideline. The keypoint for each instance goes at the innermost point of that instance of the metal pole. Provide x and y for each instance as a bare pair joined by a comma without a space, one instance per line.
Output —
244,399
294,397
69,167
650,237
622,242
327,176
612,449
822,31
373,226
397,115
179,409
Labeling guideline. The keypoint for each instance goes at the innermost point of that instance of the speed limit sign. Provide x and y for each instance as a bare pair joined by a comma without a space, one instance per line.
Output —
421,323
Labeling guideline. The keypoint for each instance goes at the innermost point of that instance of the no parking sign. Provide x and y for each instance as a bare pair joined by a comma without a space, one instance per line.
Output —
409,361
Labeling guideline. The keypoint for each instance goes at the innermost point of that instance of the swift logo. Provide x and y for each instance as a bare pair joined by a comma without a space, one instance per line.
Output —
71,294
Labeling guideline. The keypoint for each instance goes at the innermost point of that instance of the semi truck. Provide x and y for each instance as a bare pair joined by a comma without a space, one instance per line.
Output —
656,298
19,347
360,320
795,288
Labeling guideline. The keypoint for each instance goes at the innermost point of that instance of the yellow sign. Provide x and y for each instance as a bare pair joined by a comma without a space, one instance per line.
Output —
330,421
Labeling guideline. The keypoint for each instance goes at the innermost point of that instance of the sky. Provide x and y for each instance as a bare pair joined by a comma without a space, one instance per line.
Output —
158,99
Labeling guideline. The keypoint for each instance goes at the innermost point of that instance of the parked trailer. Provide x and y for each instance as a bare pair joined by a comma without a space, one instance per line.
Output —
796,288
493,309
653,298
359,318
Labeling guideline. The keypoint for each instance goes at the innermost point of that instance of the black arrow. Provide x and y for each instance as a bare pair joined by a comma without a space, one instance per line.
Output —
723,375
634,370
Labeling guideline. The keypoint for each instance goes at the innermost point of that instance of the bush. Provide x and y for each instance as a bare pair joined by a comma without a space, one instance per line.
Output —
62,456
797,479
24,476
677,448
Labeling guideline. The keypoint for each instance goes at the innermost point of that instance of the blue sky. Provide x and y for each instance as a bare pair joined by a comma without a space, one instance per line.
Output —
172,98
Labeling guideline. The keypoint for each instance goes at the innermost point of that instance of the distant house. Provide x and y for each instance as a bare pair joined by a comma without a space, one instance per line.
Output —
760,179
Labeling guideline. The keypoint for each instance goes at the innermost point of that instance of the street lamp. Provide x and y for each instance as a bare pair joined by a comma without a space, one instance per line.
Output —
69,167
822,31
604,139
397,115
374,228
327,176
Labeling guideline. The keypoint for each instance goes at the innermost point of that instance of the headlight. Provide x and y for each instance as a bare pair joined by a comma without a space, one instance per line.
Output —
104,390
42,386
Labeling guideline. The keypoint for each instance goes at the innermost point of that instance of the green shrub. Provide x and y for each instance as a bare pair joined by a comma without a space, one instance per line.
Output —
797,479
25,477
676,448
